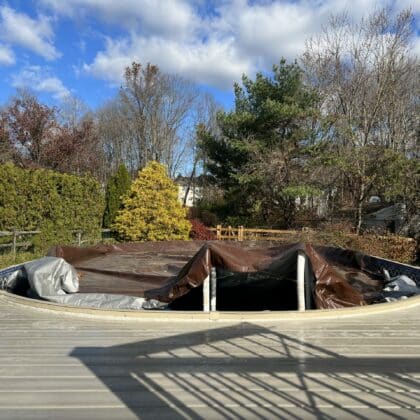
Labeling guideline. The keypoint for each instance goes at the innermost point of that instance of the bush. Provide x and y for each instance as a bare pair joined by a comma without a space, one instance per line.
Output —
200,232
118,185
151,211
343,226
209,218
392,247
55,203
9,259
206,217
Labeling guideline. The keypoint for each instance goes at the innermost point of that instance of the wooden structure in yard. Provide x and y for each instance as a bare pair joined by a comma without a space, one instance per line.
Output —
244,234
19,238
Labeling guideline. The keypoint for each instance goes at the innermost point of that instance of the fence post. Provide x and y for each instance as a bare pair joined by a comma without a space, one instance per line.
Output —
240,233
300,280
219,232
79,237
14,243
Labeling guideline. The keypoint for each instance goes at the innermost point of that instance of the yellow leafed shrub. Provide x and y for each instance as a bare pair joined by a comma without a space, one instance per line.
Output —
151,211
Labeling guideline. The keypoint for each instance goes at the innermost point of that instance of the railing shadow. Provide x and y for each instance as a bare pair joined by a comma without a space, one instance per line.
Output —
249,371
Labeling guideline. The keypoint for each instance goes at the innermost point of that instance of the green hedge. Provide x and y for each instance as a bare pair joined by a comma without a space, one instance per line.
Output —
118,185
55,203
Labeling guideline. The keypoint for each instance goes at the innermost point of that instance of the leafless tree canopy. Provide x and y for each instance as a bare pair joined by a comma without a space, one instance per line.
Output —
152,118
368,84
367,78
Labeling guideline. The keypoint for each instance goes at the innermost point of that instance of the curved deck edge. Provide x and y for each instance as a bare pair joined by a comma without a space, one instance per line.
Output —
166,316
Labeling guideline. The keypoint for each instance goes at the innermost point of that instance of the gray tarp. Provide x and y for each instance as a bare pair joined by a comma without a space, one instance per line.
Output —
399,287
55,280
50,276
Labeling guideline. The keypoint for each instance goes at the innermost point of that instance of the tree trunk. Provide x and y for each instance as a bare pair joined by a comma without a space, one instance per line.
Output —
360,207
190,182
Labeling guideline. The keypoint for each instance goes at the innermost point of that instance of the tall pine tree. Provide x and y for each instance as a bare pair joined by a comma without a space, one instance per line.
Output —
258,155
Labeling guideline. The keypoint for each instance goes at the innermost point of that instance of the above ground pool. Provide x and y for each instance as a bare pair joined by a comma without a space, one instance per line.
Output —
211,276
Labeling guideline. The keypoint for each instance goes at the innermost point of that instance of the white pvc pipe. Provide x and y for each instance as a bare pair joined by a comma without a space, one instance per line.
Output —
206,294
300,281
213,289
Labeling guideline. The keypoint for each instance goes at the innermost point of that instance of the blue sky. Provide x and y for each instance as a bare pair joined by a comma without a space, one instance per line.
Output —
80,47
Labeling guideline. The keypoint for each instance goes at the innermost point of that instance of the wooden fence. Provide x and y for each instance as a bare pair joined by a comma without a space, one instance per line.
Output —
393,247
241,234
19,238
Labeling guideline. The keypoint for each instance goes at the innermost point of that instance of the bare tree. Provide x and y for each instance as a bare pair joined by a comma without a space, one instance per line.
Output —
204,119
116,140
72,111
156,107
368,83
153,118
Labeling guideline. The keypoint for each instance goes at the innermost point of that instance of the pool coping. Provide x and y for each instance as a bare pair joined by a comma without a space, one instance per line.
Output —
239,316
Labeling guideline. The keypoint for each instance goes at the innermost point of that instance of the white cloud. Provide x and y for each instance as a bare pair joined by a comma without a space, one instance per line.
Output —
216,48
164,17
34,34
7,57
40,80
267,32
214,63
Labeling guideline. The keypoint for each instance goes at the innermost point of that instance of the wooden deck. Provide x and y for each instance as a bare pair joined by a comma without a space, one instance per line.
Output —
56,366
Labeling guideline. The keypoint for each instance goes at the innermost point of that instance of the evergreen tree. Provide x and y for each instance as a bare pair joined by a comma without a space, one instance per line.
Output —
151,211
118,185
258,155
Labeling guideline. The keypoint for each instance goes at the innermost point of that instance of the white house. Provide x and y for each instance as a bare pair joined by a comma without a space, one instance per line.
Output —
194,194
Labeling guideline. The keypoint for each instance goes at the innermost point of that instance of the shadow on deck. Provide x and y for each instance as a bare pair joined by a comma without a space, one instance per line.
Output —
248,371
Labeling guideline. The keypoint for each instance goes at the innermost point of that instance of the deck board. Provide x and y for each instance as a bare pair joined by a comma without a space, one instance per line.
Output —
55,366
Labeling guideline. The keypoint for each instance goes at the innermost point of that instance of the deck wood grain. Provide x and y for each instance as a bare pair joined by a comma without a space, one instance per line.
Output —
60,366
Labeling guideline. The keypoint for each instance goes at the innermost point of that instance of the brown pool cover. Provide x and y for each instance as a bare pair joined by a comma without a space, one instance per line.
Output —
169,271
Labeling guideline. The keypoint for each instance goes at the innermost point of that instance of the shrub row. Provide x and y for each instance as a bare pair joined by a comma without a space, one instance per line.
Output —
389,246
55,203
